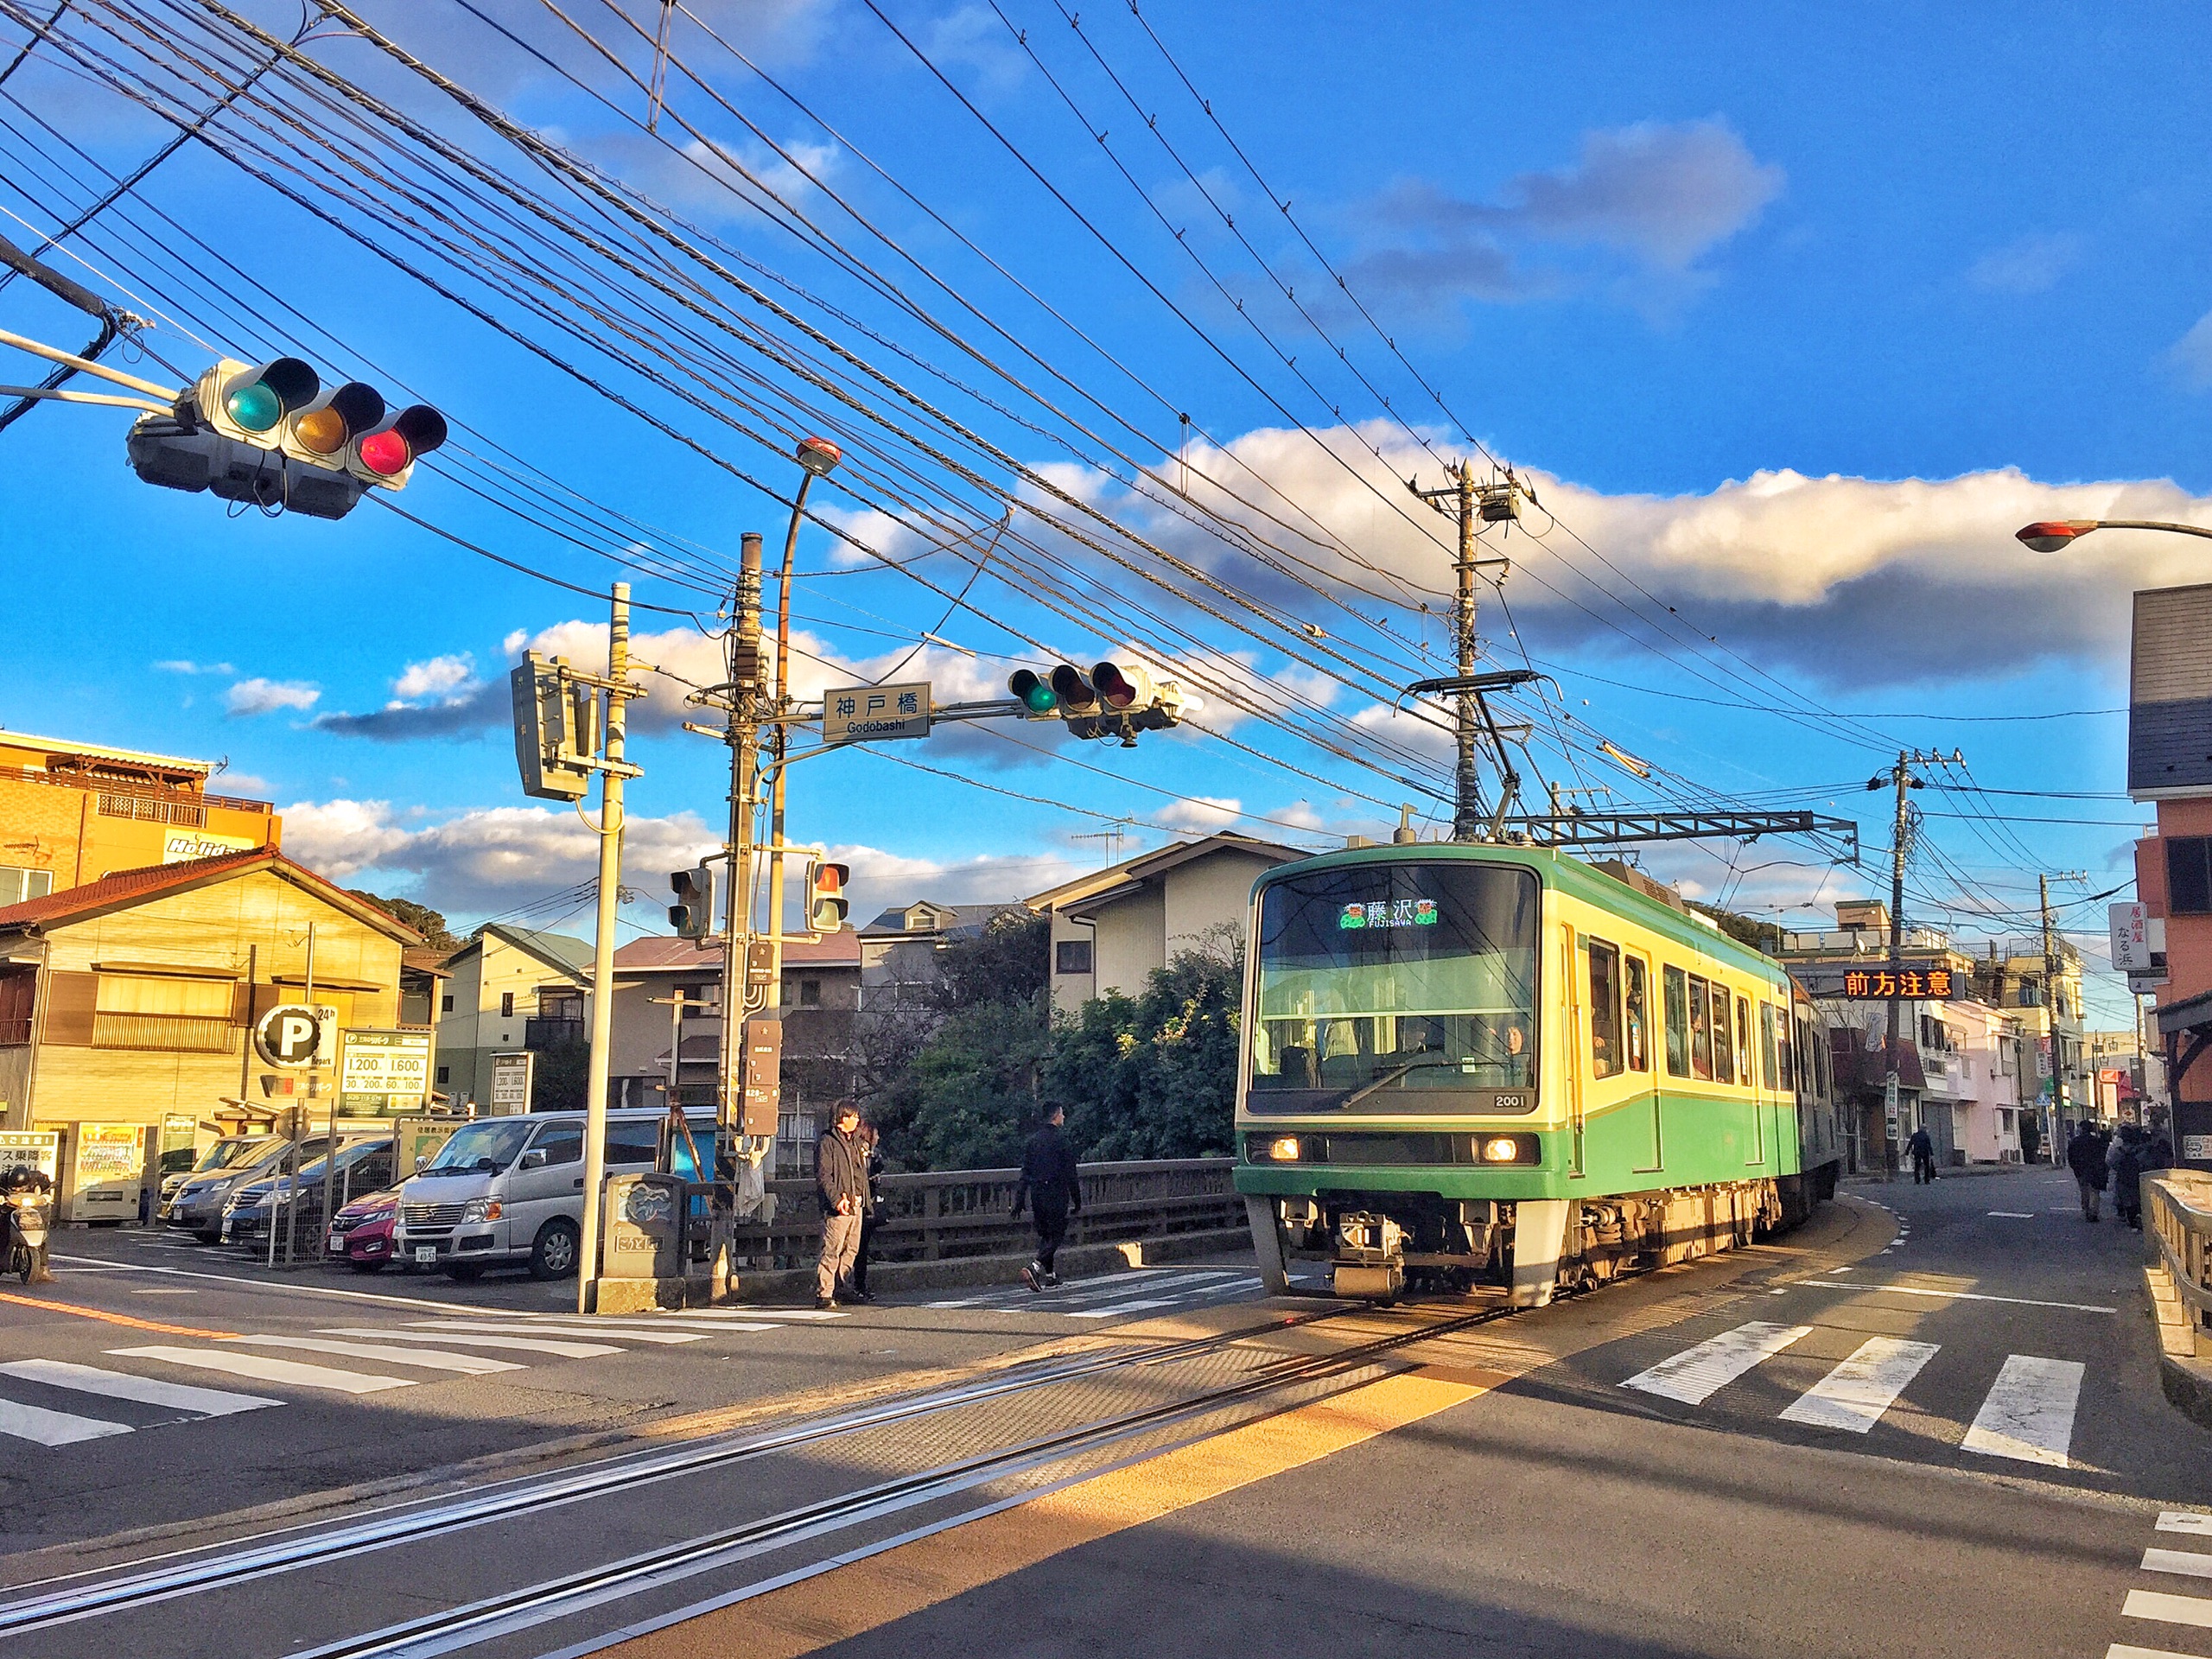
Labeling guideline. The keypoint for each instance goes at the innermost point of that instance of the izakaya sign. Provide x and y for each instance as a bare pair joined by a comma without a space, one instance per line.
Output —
1914,984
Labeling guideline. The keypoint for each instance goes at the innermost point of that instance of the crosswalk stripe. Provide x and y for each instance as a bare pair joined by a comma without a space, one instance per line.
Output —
2185,1520
587,1332
54,1428
566,1350
2028,1411
1694,1375
1855,1394
2172,1609
2121,1650
146,1390
2188,1561
1120,1307
239,1362
431,1359
635,1327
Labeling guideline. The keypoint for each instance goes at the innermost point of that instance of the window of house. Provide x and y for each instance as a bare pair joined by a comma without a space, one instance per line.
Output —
506,1005
161,1012
632,1143
560,1004
1637,1016
445,1075
2188,875
1701,1028
444,1003
18,885
1724,1051
1677,988
694,998
810,993
1072,957
1604,1009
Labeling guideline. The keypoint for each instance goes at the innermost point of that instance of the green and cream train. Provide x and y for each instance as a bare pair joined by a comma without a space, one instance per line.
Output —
1470,1064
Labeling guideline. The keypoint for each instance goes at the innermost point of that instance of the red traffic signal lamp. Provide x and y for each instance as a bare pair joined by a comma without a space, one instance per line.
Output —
387,455
1121,685
826,903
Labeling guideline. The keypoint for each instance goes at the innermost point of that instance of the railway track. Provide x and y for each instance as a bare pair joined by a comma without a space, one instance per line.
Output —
117,1592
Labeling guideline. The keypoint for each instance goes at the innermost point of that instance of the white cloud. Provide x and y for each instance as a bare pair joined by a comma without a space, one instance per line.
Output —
881,879
260,697
238,783
2191,355
182,666
441,677
2031,264
1203,814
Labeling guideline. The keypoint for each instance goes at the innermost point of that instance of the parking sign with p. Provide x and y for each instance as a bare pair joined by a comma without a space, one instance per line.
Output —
291,1034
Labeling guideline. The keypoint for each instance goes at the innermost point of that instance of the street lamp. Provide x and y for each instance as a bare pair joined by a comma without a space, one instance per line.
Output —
819,458
2051,534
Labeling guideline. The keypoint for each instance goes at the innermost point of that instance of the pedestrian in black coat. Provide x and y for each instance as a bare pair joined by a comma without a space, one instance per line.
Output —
1923,1156
2085,1156
1050,1185
872,1139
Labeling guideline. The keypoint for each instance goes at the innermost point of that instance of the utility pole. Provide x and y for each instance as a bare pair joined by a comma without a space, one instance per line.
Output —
1902,778
1471,504
2051,967
602,962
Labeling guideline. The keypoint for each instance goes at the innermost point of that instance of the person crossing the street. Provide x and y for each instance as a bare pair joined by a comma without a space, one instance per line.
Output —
841,1175
1050,1185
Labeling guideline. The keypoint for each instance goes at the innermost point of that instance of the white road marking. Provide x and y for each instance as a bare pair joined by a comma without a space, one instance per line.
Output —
239,1362
146,1390
2173,1609
2121,1650
46,1427
587,1331
431,1359
1855,1394
2028,1412
1951,1295
2014,1215
2186,1521
1696,1373
2187,1561
1124,1307
469,1340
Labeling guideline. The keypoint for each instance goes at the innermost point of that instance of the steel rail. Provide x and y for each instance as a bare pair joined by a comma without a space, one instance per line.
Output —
406,1524
574,1593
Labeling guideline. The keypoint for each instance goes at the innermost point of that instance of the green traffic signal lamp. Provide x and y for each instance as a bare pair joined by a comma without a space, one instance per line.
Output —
1032,691
276,388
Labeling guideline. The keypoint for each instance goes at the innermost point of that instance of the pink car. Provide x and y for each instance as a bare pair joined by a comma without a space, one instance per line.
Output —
360,1233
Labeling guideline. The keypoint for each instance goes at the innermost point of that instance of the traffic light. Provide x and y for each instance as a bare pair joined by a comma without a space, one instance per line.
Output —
553,767
826,903
1033,692
1075,693
692,915
269,436
1123,685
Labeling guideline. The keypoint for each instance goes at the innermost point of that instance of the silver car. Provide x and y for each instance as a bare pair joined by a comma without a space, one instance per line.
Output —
198,1206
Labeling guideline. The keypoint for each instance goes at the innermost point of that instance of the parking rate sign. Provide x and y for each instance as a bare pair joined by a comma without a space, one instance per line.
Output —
381,1072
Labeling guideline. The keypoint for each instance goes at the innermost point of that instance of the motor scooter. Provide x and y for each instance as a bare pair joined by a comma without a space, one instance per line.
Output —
27,1191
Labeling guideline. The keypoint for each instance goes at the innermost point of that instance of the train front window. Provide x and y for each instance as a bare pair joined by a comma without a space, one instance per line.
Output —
1396,987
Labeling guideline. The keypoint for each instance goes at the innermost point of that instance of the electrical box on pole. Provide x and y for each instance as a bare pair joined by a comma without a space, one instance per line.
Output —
553,767
761,1090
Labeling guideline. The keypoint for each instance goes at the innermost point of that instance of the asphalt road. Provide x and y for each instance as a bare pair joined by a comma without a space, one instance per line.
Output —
1928,1423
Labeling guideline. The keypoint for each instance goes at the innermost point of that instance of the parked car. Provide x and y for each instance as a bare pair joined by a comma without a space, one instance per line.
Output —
231,1152
364,1163
360,1235
198,1206
510,1189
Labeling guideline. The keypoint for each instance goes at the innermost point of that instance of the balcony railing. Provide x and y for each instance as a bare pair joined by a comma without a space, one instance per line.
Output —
14,1032
126,799
189,1033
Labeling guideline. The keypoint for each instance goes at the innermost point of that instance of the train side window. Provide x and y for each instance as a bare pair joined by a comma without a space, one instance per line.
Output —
1604,1009
1743,1063
1637,1026
1767,1068
1724,1052
1701,1028
1782,1041
1678,1022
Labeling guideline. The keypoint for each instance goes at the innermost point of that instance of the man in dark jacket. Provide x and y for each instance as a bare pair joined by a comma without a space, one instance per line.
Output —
1923,1156
1049,1183
2085,1156
841,1174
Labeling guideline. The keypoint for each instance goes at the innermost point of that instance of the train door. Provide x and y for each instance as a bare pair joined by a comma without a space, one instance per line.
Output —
1576,1047
1763,1109
1624,976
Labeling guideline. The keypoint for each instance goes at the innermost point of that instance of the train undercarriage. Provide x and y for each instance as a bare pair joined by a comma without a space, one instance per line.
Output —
1382,1245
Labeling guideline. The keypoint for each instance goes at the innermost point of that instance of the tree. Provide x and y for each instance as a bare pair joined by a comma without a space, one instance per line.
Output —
562,1079
1009,960
1760,936
430,924
969,1098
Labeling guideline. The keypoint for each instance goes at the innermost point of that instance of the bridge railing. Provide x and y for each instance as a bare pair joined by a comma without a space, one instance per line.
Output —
946,1214
2177,1213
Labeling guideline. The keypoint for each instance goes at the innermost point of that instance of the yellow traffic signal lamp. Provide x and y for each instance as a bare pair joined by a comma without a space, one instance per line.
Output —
320,433
826,903
1076,694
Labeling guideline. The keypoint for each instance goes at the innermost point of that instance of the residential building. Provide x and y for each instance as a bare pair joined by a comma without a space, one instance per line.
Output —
1112,928
73,812
126,1006
1975,1062
2169,767
2013,975
821,999
508,990
898,949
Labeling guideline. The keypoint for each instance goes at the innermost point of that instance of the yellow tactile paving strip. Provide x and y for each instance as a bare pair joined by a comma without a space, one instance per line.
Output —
802,1618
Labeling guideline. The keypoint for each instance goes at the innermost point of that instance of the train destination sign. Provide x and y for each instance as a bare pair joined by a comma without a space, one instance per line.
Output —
1390,912
1913,984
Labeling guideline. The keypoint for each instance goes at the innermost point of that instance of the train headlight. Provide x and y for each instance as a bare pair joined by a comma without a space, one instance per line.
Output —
1501,1149
1283,1149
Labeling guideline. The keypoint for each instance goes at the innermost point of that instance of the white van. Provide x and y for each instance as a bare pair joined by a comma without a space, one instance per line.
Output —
508,1190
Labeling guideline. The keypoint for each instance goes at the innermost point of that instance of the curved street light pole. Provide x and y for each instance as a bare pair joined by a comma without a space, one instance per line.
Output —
2052,535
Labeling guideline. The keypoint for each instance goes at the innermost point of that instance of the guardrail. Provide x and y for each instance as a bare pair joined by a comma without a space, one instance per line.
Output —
2177,1213
947,1214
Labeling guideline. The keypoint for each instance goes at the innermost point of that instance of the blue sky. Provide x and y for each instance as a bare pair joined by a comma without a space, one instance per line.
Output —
1792,319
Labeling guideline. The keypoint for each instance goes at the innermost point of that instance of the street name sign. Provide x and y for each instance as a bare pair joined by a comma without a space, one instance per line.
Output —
866,714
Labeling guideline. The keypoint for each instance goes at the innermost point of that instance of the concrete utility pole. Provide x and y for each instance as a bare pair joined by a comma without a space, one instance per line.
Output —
741,660
2051,967
602,961
1469,503
1901,776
